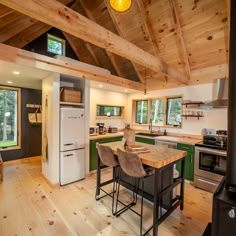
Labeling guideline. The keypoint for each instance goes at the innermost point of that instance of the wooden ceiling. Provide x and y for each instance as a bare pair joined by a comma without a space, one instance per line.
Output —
191,35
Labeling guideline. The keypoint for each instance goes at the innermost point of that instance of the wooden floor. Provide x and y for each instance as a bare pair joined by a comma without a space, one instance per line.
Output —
30,206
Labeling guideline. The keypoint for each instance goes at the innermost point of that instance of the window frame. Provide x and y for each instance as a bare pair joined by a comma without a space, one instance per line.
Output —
121,116
167,108
149,112
136,101
18,145
57,39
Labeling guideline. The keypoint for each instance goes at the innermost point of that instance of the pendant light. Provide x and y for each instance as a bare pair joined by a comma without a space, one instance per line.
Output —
120,5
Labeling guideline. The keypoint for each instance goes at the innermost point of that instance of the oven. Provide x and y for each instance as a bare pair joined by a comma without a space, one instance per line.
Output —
209,168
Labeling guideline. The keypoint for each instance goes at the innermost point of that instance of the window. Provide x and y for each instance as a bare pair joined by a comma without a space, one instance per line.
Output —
56,45
103,110
142,112
163,111
9,117
174,111
157,108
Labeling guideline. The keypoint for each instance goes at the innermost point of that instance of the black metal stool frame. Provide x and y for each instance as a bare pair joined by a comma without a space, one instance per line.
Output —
99,185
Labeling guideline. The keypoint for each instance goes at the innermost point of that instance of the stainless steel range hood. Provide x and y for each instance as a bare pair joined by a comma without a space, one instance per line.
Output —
220,95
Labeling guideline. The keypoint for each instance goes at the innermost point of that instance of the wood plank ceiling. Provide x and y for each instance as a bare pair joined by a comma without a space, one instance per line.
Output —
191,35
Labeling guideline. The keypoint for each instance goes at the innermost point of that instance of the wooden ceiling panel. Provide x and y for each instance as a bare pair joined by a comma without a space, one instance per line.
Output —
204,24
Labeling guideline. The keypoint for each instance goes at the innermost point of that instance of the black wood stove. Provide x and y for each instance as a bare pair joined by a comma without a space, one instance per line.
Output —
224,200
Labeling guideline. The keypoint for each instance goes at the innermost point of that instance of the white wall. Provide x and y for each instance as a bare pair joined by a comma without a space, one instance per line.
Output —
105,97
50,89
216,118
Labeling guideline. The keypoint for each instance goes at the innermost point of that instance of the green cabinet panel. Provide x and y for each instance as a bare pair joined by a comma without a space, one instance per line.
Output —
145,140
93,150
189,160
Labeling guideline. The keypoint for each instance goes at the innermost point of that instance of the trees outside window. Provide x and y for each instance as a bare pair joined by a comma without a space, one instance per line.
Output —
164,111
157,108
142,112
56,45
8,117
174,110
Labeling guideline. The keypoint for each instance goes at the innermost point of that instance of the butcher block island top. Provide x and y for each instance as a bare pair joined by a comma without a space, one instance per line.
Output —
157,157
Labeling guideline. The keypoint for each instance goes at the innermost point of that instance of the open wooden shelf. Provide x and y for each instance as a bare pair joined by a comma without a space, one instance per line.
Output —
71,104
197,116
192,103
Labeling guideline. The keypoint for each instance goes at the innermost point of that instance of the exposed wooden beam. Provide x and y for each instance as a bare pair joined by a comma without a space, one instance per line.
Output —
144,17
57,15
76,45
4,11
78,69
18,30
109,55
28,35
15,28
180,35
121,34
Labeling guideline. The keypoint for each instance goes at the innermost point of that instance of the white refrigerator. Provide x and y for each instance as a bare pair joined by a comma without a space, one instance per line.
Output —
72,145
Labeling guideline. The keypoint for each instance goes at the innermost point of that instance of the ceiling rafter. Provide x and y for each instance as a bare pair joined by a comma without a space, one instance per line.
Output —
28,35
145,19
121,34
77,69
109,55
185,53
57,15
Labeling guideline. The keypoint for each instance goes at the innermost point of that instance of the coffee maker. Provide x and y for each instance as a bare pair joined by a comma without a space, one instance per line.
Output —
101,128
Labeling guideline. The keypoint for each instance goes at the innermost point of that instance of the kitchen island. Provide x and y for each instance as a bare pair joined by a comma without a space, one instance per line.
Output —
159,187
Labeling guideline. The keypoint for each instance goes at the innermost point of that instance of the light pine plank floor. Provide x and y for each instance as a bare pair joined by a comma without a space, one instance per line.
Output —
30,206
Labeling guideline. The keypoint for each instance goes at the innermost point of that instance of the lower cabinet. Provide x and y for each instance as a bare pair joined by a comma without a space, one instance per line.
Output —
145,140
93,150
189,160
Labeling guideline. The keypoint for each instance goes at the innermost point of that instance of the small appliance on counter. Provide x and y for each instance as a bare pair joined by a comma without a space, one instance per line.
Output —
210,159
101,128
93,130
112,130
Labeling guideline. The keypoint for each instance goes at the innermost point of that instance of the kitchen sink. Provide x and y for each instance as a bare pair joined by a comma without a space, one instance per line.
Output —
148,134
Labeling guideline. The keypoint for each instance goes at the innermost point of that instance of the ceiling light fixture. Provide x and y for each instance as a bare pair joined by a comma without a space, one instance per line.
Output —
125,90
120,5
9,82
100,86
16,72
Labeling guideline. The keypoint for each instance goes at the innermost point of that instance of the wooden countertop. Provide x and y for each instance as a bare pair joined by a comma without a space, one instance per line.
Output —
107,135
158,157
175,139
170,138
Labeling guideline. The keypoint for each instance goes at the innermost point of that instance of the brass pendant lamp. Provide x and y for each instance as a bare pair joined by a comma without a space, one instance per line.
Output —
120,5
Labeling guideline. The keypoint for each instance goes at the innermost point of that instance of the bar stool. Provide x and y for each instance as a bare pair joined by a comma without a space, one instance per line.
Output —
131,165
107,157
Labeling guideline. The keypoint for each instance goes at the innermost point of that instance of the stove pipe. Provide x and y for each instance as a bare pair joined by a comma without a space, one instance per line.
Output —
231,148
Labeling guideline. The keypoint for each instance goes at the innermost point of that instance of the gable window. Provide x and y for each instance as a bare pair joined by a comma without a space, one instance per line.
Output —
142,112
9,117
56,45
163,111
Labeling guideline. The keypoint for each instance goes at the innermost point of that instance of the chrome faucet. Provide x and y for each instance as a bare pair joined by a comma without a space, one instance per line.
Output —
150,125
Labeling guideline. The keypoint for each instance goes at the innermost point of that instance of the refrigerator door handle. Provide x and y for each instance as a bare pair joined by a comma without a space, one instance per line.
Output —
68,144
69,155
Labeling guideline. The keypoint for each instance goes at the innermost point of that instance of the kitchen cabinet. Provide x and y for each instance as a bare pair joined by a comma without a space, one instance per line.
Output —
93,150
145,140
189,160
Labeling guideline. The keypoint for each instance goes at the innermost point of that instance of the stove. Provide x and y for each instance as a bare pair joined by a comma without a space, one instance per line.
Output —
210,161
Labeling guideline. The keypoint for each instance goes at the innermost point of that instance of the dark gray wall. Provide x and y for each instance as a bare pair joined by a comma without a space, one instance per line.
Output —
31,136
